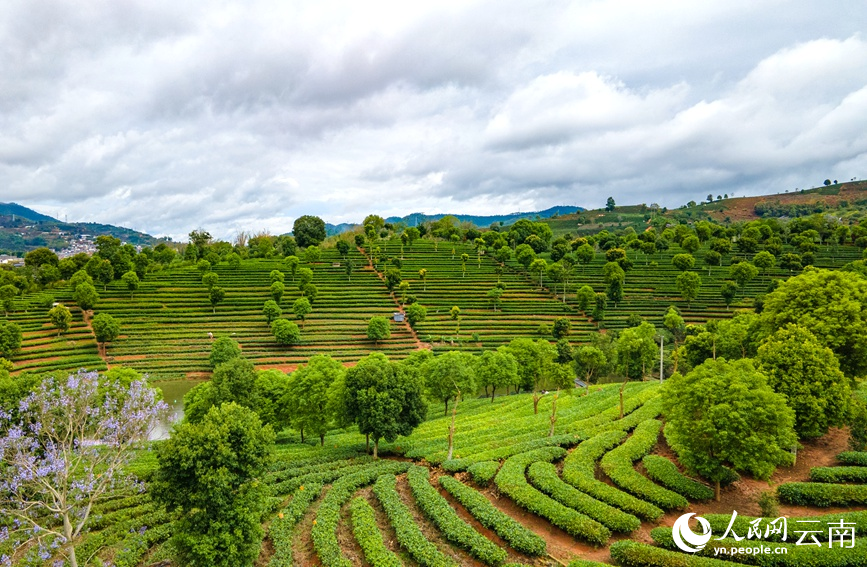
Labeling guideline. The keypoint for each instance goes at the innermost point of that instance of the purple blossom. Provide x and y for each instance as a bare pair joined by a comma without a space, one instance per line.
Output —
76,438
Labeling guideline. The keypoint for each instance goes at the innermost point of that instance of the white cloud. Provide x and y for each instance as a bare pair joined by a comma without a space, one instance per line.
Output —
167,116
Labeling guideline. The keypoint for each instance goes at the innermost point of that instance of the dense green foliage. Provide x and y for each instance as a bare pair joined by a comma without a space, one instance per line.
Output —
209,472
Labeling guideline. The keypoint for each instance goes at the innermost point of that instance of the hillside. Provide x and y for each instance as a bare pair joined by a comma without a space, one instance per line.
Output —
22,229
843,200
482,221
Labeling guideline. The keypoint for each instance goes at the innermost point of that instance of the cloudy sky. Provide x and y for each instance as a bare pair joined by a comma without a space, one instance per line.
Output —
166,116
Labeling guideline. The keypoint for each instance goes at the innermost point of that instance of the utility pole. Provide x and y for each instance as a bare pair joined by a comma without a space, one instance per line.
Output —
661,342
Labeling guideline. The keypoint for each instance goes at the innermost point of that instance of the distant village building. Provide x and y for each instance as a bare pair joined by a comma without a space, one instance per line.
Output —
398,317
11,260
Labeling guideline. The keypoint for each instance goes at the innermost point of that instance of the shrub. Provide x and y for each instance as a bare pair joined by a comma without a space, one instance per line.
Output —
544,477
368,537
439,511
515,534
820,494
617,464
769,504
633,554
665,472
324,531
512,482
409,535
579,468
838,474
483,472
282,529
857,458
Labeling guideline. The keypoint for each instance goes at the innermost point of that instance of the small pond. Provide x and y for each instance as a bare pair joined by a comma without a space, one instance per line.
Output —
173,394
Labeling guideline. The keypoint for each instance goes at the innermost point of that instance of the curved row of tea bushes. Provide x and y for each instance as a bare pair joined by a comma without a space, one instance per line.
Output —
513,483
795,555
368,536
633,554
440,512
821,494
544,477
856,458
409,536
516,535
579,471
839,474
665,472
324,531
282,529
617,464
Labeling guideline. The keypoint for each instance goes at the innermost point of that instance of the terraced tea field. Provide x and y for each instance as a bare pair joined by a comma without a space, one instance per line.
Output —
166,324
512,496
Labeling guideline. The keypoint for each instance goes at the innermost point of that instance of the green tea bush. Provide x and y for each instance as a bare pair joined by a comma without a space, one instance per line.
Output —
544,477
409,536
617,464
368,537
579,471
856,458
665,472
440,512
838,474
820,494
512,482
483,472
513,532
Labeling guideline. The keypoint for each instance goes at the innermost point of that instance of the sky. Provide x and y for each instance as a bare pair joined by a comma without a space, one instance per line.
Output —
168,116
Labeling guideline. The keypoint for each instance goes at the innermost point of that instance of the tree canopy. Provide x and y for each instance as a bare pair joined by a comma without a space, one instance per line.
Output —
725,414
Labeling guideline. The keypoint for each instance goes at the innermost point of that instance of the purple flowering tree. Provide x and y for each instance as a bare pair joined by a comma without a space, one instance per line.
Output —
63,451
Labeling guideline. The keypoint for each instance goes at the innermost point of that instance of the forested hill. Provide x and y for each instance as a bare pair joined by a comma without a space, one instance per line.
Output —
415,219
22,229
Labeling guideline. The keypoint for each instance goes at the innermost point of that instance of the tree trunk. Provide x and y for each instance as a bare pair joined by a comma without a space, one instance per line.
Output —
536,398
452,430
446,413
621,397
376,449
321,439
494,393
716,491
302,435
553,413
367,444
67,533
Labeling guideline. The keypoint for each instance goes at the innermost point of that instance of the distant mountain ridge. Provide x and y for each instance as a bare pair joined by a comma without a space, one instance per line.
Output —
414,219
10,209
22,229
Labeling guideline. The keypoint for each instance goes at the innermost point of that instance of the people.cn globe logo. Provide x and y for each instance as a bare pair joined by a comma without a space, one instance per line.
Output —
685,538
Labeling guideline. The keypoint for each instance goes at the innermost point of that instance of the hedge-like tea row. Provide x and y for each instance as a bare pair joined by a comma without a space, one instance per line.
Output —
512,482
484,472
323,477
820,494
282,529
838,474
368,537
324,531
617,464
586,563
856,458
665,472
633,554
457,465
515,534
795,555
741,526
544,477
439,511
409,535
579,471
